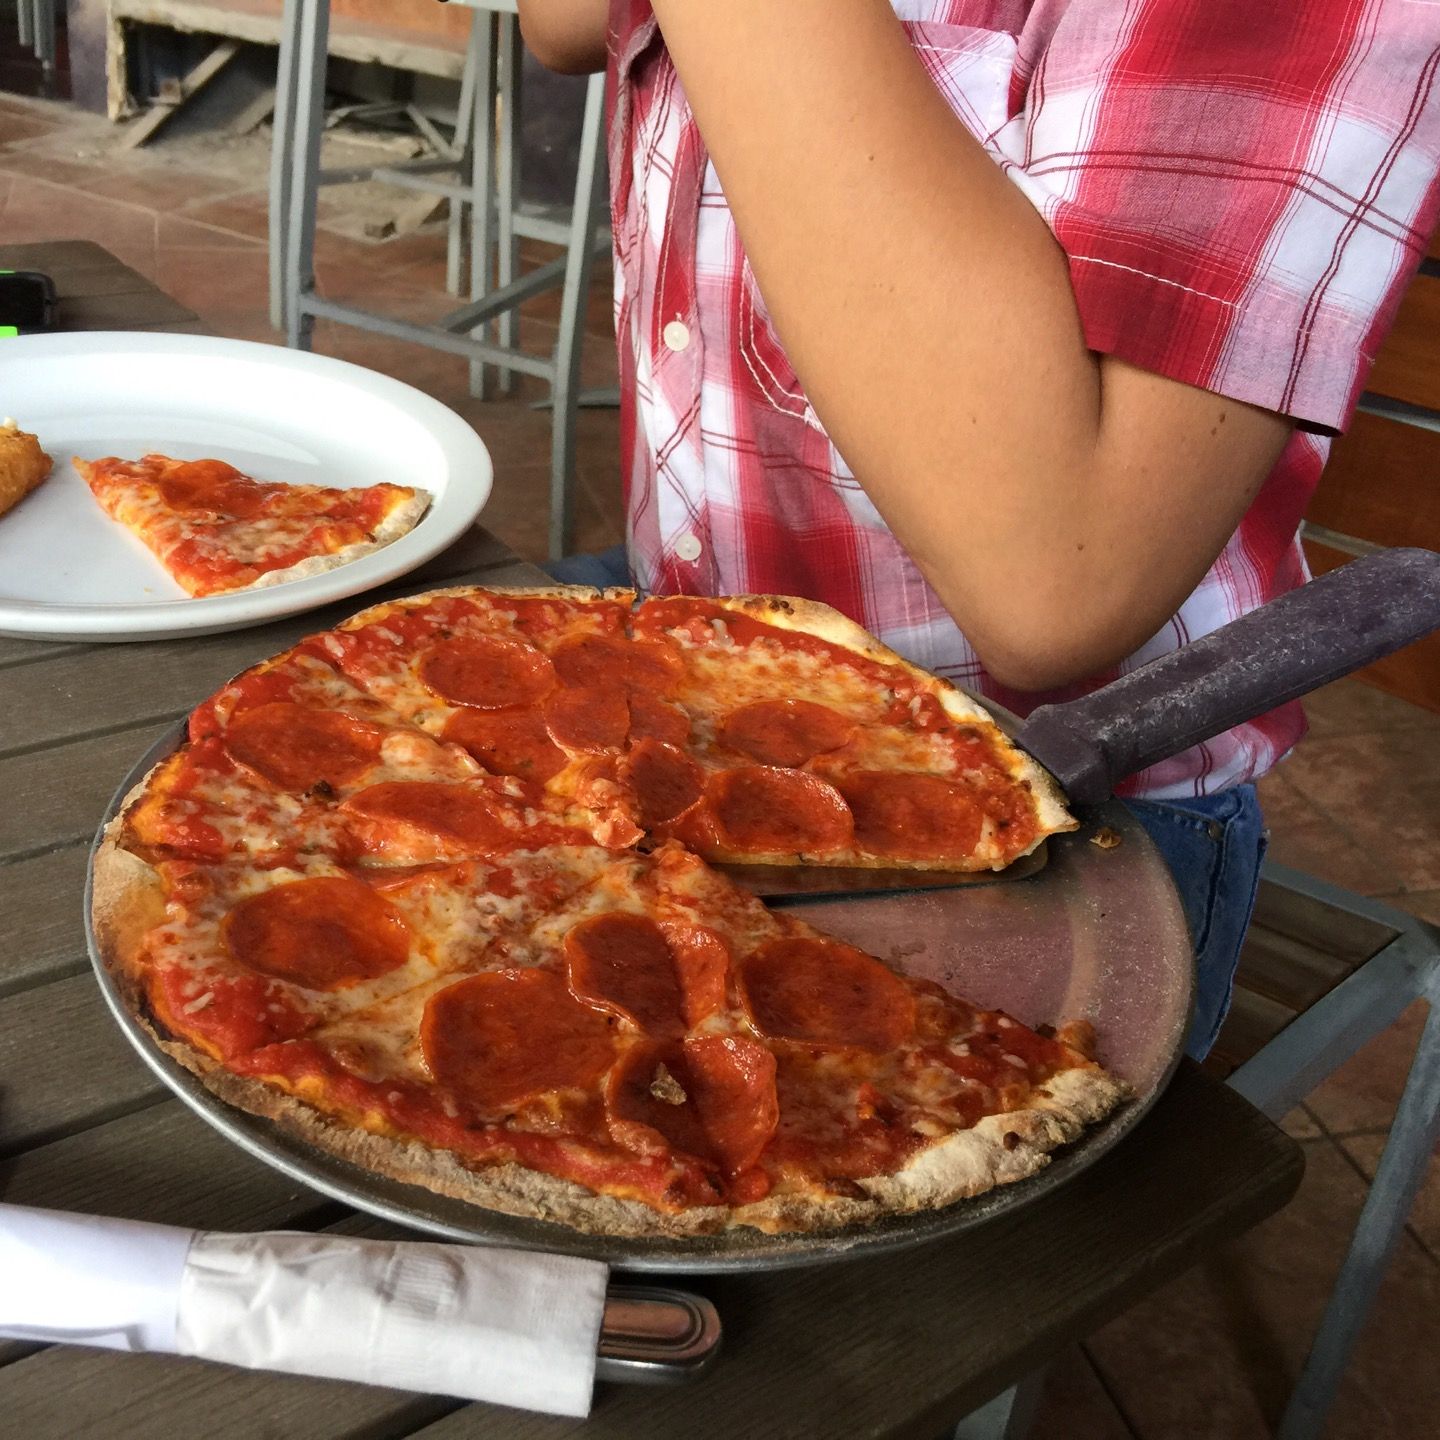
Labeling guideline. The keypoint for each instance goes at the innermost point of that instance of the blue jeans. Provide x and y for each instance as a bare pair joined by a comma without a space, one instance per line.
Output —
602,569
1214,846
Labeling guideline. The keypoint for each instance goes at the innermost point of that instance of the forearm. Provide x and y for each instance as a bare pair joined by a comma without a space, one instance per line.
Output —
928,311
566,35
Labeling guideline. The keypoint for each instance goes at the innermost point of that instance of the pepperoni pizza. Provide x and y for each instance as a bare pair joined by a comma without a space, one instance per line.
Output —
215,529
442,891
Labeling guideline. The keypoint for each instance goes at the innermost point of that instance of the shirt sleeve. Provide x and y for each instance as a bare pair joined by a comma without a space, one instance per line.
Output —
1242,190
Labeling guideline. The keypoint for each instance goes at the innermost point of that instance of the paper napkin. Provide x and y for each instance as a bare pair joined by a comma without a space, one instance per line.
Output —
505,1326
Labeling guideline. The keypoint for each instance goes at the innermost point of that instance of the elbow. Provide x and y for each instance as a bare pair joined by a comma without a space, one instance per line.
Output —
1032,670
563,52
1045,647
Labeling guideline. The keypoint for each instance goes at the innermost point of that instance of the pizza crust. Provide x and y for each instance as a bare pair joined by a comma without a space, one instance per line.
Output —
400,521
580,594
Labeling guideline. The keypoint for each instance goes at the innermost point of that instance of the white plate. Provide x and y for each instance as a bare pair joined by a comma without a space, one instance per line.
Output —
67,571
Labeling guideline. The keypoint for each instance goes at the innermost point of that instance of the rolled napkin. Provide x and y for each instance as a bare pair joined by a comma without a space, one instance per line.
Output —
505,1326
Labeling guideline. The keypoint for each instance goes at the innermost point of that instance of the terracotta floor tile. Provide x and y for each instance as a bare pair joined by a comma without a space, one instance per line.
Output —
1300,1124
1361,1095
1423,903
1075,1405
213,280
247,213
518,512
18,129
1345,777
1213,1355
162,189
40,211
1424,1221
175,232
58,169
1304,837
1350,707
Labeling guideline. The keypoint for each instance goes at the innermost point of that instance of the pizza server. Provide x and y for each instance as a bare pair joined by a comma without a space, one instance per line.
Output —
1317,633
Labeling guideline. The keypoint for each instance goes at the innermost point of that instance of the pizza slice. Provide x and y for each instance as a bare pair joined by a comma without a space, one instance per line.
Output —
811,743
290,760
623,1042
216,530
541,686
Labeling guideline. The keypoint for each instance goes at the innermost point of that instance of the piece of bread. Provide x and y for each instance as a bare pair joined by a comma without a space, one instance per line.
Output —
23,464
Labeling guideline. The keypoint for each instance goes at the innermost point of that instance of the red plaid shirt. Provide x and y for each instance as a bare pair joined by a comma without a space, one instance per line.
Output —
1242,191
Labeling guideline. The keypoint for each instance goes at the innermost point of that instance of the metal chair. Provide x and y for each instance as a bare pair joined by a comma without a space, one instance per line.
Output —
1403,966
37,22
484,203
1323,973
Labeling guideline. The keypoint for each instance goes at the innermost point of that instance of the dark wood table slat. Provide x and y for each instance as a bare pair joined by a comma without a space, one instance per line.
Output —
24,652
64,1065
71,1393
164,1164
45,937
902,1345
109,686
56,797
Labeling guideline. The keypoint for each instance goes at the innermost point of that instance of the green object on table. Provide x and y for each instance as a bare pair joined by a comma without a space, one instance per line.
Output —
6,330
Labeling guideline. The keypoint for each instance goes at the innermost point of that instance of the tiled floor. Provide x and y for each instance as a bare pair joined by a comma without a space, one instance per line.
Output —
1211,1356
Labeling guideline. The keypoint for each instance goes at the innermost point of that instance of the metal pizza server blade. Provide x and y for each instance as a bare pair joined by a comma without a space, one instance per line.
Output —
818,882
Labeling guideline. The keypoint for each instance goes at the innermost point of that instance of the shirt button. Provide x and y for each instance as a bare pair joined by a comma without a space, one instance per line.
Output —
687,547
676,335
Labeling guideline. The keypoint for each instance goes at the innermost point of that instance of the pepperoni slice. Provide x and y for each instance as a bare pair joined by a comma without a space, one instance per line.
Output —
464,816
913,816
297,748
200,486
507,742
588,719
508,1036
598,662
487,673
712,1097
822,992
652,719
785,732
664,981
321,934
762,810
666,782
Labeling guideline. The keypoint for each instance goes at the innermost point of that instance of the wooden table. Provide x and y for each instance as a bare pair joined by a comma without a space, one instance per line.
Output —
895,1346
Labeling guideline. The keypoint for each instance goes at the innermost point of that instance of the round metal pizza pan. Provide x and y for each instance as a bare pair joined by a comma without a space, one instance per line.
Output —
1097,934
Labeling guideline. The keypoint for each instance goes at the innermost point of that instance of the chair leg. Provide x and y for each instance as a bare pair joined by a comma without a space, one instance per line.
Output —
507,179
313,34
464,128
1413,1134
589,196
1008,1416
482,181
282,145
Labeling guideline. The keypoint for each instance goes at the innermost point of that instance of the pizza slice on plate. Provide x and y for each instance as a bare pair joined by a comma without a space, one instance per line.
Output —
215,529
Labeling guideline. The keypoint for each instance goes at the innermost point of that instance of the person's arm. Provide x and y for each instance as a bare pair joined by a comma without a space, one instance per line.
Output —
566,35
1062,504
